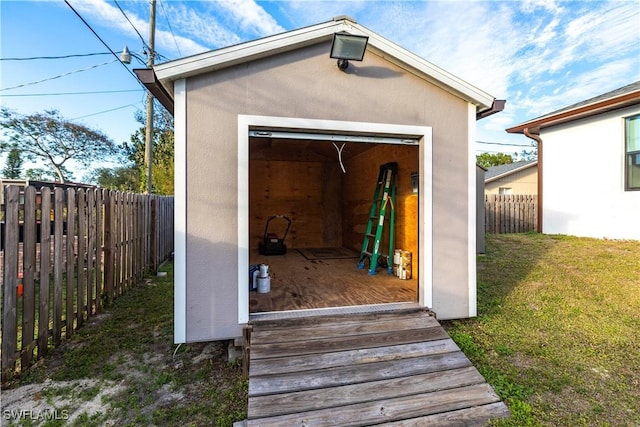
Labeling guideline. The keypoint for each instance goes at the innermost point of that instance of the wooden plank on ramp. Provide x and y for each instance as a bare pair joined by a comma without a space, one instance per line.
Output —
393,368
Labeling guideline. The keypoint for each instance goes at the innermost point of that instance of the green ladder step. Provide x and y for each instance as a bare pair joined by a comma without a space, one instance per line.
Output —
384,198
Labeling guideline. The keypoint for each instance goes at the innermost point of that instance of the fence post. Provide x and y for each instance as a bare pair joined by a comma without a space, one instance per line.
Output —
153,232
45,271
28,284
71,257
58,264
9,303
99,261
109,253
81,285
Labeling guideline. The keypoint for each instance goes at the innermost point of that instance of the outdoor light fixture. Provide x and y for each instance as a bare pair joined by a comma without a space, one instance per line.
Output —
347,47
125,56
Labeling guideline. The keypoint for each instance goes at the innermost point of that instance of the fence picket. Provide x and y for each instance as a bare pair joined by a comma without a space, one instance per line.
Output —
81,286
28,275
100,243
71,261
45,262
58,263
510,213
10,298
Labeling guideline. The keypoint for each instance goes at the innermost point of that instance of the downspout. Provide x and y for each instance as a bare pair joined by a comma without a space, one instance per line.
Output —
540,168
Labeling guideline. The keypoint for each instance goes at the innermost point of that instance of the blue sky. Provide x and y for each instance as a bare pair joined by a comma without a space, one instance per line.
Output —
538,55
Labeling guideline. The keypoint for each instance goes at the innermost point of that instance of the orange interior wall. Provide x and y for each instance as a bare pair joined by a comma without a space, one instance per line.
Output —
359,186
329,208
306,192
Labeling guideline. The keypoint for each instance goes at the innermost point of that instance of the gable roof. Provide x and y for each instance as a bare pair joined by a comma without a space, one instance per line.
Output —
496,172
616,99
207,62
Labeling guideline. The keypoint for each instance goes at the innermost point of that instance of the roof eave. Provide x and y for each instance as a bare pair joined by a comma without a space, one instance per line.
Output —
599,107
502,175
150,81
169,72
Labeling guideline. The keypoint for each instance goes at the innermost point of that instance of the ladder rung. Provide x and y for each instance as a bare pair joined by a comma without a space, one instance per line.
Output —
370,235
366,253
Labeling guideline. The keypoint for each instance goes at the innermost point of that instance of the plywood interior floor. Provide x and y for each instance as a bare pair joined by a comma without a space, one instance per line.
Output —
299,283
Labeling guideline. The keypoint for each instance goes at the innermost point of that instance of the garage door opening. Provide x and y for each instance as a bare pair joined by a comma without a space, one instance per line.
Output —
303,180
323,181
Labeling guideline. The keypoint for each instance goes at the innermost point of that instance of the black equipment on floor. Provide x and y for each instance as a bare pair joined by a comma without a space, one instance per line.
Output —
272,244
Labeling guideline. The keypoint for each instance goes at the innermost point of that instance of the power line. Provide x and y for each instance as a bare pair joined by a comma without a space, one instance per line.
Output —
55,57
74,93
164,12
103,42
61,75
502,143
146,46
105,111
144,43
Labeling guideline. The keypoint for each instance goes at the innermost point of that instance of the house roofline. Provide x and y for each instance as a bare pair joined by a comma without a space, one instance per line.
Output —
512,171
578,112
214,60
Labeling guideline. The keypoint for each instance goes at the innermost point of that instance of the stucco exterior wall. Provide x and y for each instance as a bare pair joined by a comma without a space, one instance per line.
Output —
307,84
583,179
521,182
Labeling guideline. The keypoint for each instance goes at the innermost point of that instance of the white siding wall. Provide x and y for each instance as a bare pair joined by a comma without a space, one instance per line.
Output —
583,179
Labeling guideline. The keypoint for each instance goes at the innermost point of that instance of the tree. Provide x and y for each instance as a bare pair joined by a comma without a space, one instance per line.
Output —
47,174
526,155
163,151
125,178
13,167
50,138
487,160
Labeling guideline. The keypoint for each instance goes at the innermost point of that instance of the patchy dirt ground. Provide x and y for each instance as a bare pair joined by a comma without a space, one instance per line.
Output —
123,369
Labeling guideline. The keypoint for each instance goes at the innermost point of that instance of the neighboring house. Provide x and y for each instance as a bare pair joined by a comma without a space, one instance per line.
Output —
512,178
254,124
589,166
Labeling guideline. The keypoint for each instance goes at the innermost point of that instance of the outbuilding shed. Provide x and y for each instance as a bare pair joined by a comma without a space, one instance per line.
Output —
274,127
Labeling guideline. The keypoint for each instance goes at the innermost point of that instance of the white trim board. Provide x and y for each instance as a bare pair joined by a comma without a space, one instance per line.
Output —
180,214
423,134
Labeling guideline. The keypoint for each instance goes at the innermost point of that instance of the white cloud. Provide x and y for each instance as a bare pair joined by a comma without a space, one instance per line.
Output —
200,28
251,17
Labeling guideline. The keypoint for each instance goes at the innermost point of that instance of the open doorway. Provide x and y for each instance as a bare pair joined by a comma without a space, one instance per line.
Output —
323,186
367,144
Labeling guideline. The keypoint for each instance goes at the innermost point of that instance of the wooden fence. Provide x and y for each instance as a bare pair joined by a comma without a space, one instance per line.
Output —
510,213
67,253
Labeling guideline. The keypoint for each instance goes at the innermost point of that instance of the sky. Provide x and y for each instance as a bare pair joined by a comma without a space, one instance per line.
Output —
539,55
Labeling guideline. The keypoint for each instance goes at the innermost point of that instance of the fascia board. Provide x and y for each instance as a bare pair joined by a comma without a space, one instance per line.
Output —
232,55
579,112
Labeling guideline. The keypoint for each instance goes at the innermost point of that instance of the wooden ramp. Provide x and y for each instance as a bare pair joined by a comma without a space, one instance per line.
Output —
389,368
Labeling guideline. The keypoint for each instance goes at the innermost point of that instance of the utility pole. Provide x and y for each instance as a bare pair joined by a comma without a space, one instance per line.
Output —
148,140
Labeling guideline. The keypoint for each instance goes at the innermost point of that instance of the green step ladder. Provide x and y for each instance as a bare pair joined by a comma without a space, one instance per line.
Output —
384,199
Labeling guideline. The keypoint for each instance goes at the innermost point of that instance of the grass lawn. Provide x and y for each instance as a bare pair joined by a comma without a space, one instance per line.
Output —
557,329
556,336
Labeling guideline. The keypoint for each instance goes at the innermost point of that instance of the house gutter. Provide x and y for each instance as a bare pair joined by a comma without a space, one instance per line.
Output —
538,140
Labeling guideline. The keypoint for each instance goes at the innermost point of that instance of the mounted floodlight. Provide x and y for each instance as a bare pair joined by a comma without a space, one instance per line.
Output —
346,47
125,56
